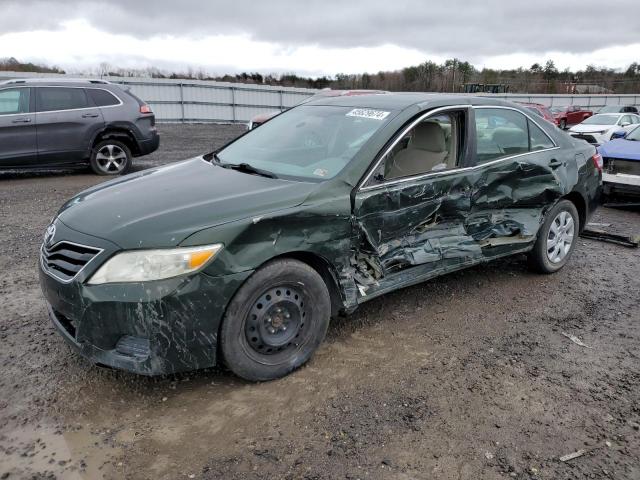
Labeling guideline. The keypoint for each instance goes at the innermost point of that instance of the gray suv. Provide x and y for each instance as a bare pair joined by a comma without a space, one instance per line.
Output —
54,122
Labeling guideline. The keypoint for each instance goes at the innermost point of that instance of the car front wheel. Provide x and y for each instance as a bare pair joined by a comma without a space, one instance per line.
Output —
276,321
110,157
556,238
563,124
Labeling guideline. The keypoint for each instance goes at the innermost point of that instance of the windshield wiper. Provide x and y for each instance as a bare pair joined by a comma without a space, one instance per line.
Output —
246,168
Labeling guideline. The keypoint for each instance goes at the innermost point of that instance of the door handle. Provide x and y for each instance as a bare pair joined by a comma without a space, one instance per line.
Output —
90,115
21,120
555,163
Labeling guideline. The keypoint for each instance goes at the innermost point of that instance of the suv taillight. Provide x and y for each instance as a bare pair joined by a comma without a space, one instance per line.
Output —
145,109
597,161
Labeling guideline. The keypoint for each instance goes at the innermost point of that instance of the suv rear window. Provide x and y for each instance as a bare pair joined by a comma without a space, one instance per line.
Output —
60,98
102,98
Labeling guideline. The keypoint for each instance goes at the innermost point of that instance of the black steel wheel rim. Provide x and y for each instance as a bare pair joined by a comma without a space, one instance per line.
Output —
277,322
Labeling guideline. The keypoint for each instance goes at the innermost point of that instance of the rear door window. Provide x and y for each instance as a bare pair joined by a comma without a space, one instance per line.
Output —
102,98
503,133
500,133
50,99
14,101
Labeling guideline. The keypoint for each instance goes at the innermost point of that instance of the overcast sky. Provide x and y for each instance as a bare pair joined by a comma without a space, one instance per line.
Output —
312,37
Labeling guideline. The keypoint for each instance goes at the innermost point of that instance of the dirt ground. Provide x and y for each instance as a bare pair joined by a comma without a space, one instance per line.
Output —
468,376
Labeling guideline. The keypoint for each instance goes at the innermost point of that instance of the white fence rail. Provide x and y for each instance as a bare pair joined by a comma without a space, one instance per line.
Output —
587,101
201,101
207,101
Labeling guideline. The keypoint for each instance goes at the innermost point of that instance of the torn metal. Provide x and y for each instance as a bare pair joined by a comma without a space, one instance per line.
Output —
631,241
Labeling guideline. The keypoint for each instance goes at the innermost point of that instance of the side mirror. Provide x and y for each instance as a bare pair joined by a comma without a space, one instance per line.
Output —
625,124
618,134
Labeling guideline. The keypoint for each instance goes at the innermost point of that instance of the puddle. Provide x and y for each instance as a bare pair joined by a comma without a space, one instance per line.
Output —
48,452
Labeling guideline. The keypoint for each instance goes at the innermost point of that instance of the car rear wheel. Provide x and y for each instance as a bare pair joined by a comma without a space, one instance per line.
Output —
276,321
556,238
110,157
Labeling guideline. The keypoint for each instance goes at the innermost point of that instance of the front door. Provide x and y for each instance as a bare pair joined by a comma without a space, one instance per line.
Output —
18,146
410,211
66,123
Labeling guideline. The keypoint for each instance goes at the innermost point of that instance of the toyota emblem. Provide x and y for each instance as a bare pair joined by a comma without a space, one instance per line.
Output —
49,234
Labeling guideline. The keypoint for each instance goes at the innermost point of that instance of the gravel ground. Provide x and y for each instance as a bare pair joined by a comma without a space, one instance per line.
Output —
468,376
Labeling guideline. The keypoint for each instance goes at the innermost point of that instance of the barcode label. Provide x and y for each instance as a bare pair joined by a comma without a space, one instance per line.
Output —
368,113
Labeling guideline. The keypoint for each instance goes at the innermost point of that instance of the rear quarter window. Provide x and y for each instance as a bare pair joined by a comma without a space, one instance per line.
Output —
102,98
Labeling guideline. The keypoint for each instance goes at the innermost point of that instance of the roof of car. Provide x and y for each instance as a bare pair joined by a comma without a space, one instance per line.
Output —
400,101
55,81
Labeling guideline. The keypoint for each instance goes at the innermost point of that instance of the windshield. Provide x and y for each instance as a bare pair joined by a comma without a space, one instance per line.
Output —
634,134
558,109
610,109
602,120
306,142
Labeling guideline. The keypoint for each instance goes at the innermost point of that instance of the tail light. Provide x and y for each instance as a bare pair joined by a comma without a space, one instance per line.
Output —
598,162
145,108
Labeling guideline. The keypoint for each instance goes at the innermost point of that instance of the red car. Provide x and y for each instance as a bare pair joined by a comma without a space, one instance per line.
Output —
540,110
570,115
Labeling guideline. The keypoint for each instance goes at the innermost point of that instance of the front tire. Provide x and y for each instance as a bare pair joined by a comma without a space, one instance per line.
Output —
557,238
110,157
563,124
276,321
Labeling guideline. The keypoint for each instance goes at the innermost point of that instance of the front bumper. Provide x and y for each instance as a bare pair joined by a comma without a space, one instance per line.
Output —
595,139
151,328
621,184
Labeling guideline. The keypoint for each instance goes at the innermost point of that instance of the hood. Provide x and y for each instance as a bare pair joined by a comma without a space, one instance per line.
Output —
580,128
163,206
621,148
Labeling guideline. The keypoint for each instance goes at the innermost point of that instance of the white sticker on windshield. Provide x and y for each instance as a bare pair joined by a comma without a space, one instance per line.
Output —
368,113
320,172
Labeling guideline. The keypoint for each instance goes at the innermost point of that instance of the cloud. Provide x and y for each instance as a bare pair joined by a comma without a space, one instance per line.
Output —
216,54
467,29
318,37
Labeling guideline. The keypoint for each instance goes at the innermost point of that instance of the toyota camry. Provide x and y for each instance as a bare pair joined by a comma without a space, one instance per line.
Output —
243,255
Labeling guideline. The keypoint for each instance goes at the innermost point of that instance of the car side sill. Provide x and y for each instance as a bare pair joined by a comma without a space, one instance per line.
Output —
438,272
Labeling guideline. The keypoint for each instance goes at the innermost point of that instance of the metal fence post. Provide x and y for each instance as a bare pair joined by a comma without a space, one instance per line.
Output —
182,101
281,101
233,104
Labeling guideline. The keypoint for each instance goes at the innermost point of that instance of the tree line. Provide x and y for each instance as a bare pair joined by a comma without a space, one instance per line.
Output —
449,76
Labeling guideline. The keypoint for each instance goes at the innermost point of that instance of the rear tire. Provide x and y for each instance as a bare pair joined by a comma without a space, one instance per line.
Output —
563,124
110,157
276,321
557,238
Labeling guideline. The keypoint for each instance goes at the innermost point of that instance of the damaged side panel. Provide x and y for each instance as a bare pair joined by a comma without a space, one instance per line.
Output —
416,229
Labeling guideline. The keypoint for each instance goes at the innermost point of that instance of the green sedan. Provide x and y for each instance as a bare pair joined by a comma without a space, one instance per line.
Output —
243,255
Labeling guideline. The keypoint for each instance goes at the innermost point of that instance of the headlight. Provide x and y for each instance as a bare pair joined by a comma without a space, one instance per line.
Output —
147,265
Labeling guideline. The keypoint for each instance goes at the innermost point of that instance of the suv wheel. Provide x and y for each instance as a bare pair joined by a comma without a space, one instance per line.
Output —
557,238
110,157
276,321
